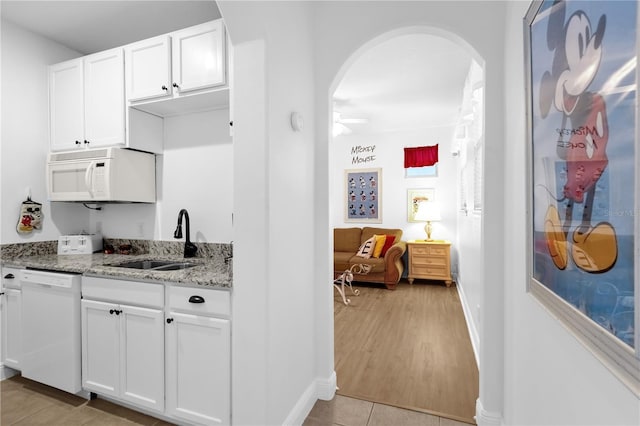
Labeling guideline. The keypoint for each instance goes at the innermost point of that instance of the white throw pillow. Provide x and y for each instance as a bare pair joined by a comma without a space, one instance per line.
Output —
366,249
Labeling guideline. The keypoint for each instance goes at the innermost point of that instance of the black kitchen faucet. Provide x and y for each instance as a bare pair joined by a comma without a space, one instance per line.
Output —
189,248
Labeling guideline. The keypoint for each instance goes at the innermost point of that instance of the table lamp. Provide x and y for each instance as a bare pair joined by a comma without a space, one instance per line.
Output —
430,212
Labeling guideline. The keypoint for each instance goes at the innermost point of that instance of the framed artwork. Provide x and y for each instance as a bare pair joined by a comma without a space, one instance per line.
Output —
414,197
363,195
582,119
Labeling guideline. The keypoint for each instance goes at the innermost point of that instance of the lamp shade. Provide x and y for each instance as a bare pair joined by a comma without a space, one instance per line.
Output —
428,211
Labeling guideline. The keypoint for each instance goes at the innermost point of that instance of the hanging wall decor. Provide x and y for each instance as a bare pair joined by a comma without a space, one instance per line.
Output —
582,118
30,217
363,195
414,198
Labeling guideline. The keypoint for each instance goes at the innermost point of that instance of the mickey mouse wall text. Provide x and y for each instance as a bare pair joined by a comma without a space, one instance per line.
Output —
363,154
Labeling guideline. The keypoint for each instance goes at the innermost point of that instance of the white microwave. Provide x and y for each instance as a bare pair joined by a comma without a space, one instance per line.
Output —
100,175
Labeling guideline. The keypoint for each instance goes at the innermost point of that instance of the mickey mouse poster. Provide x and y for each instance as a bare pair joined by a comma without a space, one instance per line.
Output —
363,203
583,103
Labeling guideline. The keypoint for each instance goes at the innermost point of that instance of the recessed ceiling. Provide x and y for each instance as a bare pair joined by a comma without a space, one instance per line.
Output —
93,26
408,82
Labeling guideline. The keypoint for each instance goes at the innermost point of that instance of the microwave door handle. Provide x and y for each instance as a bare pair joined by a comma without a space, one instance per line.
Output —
88,178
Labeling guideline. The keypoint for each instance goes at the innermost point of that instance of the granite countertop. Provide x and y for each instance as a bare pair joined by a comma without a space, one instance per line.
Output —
214,270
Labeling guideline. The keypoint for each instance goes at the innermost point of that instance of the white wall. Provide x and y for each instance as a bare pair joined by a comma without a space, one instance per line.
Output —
25,135
195,171
550,378
389,156
273,298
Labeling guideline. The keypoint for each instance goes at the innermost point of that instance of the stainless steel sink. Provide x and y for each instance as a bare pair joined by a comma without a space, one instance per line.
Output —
156,265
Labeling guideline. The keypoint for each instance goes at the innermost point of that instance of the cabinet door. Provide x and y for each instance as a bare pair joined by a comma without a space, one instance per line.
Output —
199,56
148,68
104,98
12,328
66,106
198,368
100,347
142,356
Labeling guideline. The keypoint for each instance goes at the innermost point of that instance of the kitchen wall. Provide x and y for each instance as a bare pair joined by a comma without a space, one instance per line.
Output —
25,135
195,172
274,324
550,378
389,156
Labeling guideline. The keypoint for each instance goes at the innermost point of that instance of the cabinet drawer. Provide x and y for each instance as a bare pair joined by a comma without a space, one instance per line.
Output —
432,250
200,301
432,260
430,271
10,278
121,291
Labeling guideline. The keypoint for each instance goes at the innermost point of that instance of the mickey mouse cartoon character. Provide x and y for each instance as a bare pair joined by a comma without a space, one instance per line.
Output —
582,139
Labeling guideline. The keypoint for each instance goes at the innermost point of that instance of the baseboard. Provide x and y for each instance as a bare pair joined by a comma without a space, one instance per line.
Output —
319,389
326,388
6,372
471,326
487,418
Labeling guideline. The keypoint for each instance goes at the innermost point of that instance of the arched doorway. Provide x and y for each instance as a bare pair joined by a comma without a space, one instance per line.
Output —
383,100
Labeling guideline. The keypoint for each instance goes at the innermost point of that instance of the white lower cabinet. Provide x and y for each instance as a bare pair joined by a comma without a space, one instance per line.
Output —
123,344
198,368
172,356
11,306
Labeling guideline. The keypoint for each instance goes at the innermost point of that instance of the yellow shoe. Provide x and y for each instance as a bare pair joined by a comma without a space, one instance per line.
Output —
595,250
555,237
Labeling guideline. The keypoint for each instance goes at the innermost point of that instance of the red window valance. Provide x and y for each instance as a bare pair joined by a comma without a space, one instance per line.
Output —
420,156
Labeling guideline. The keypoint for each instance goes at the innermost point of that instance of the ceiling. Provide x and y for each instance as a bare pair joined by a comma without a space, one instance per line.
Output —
93,26
405,83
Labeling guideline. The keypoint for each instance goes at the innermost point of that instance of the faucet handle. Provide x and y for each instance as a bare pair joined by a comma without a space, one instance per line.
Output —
190,249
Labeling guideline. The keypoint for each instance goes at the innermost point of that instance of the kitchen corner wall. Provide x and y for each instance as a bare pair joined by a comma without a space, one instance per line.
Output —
195,172
388,150
25,135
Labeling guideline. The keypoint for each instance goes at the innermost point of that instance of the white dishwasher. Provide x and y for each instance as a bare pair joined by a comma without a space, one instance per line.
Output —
51,329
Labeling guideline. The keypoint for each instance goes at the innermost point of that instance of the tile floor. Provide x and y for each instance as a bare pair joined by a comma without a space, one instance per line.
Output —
345,411
27,403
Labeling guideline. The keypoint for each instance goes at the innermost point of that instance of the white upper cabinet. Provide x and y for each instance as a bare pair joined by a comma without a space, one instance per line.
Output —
198,57
66,105
104,98
180,63
148,68
86,97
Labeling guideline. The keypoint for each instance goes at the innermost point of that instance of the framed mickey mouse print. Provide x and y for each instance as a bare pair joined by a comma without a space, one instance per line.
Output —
582,130
363,195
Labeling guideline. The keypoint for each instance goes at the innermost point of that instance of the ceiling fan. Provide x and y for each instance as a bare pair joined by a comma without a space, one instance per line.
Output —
342,121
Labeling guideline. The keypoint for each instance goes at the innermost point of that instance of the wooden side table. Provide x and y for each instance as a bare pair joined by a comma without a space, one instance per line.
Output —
430,260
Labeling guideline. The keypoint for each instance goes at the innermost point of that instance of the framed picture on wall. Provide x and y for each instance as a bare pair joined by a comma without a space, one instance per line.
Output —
414,198
363,195
582,130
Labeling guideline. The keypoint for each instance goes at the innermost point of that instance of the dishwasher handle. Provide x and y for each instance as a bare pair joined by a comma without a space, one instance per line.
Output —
51,279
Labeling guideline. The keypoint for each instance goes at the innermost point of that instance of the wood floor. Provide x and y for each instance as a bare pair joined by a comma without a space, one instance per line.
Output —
408,348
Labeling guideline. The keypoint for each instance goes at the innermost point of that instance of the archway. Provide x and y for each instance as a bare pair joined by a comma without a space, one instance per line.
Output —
459,134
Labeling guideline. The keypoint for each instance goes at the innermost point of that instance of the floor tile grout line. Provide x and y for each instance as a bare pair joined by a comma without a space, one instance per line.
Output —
370,413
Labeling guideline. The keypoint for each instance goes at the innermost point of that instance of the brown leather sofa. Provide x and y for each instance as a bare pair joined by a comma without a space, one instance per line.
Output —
385,270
